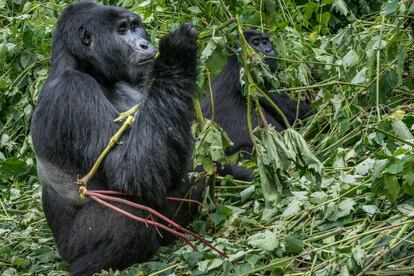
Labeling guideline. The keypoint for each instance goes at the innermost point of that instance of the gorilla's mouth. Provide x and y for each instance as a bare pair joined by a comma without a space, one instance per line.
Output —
147,59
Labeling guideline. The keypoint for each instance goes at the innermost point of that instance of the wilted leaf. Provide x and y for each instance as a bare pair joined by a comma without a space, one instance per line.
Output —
266,240
210,147
359,255
401,130
370,209
406,209
390,8
246,193
293,208
341,7
365,166
360,77
350,59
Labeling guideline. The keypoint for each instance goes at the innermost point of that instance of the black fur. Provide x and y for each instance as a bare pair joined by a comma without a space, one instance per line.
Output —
95,74
230,106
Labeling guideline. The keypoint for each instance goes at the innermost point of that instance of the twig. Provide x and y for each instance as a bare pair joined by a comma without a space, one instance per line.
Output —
125,213
393,136
127,113
112,142
210,89
378,72
199,113
207,33
165,269
184,200
154,212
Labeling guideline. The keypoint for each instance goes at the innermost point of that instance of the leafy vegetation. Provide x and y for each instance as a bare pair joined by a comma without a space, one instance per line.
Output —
351,59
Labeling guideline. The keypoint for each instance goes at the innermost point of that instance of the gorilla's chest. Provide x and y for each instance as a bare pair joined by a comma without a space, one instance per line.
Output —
124,96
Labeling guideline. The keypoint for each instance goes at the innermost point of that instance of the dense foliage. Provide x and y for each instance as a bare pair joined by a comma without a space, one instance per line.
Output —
351,59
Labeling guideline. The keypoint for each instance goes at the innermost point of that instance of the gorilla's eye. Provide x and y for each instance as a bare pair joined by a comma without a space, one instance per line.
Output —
255,42
122,28
134,26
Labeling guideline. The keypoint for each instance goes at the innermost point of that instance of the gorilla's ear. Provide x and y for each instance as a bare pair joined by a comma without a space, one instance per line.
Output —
85,36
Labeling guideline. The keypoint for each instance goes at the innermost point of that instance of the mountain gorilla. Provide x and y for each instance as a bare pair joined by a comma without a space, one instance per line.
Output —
103,63
230,107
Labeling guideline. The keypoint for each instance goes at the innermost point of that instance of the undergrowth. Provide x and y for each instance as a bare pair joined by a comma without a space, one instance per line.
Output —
351,59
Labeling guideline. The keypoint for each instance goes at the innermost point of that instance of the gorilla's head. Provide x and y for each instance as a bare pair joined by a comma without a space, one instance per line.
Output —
109,43
261,44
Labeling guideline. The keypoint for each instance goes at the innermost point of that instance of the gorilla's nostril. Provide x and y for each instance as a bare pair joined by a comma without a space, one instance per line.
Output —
144,45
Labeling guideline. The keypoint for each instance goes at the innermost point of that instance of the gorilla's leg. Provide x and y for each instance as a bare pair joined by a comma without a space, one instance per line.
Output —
103,238
179,211
97,237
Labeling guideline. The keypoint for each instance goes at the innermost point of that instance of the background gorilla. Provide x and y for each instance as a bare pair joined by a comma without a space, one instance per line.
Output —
230,106
101,65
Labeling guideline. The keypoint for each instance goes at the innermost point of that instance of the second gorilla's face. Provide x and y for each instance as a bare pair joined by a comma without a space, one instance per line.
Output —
261,44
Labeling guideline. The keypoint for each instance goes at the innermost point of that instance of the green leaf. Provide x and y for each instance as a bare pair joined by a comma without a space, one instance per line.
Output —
273,159
192,258
324,19
293,208
401,130
211,146
318,197
247,193
221,214
406,209
360,77
294,245
370,209
309,8
194,9
13,167
304,159
209,264
395,167
409,177
365,166
341,7
212,45
266,240
350,59
392,188
345,207
390,8
359,255
379,167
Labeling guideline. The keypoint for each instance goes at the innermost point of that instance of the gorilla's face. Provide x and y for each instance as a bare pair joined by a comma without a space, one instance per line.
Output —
131,32
114,45
261,44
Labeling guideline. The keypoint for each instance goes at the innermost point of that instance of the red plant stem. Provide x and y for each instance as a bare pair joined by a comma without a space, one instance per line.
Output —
105,192
156,228
156,224
152,211
184,200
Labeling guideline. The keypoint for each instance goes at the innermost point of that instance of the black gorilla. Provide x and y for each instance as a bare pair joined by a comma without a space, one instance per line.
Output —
230,107
103,63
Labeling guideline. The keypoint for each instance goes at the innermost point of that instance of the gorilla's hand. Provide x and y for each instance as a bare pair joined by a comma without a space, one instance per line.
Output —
180,47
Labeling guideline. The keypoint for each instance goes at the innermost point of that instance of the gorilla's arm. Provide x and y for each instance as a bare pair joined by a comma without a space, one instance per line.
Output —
287,105
74,121
160,139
